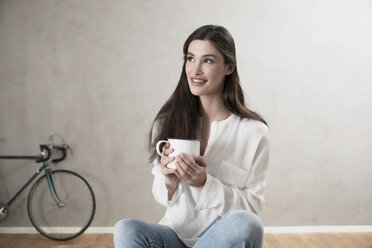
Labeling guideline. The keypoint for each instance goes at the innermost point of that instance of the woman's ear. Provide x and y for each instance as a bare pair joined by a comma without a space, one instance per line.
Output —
229,69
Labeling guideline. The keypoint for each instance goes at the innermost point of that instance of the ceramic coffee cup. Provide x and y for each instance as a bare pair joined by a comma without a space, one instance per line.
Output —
188,147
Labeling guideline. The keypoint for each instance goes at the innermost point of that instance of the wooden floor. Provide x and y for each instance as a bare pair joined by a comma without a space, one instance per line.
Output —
318,240
308,240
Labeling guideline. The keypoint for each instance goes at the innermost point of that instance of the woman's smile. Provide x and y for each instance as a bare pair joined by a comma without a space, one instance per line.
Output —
198,81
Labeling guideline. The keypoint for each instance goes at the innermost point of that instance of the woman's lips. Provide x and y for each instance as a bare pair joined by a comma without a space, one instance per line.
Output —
198,81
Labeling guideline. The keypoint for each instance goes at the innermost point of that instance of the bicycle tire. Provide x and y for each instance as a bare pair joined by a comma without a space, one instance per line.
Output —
66,222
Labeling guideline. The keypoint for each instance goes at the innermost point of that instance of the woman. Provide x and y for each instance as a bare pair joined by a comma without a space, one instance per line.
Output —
213,202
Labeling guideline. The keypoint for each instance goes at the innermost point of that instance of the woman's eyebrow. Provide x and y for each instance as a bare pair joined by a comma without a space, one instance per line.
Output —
205,55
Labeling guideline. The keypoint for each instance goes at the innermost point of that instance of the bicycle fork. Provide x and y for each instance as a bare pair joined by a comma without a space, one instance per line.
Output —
52,188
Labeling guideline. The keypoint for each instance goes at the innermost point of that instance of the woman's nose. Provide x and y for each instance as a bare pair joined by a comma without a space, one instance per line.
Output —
198,68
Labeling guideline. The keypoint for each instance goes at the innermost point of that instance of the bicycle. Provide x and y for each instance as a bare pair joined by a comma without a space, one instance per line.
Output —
61,203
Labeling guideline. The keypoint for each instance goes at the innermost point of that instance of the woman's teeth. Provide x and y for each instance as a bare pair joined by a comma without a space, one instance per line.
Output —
198,82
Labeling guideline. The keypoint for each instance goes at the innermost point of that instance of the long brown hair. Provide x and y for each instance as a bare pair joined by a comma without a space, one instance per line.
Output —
178,118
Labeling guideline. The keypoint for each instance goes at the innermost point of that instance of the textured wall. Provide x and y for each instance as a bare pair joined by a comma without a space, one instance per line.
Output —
98,71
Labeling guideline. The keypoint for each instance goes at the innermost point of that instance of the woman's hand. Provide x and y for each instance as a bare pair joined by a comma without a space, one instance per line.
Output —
193,174
171,180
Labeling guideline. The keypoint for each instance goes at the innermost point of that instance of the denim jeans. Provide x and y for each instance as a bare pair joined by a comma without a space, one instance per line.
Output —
237,229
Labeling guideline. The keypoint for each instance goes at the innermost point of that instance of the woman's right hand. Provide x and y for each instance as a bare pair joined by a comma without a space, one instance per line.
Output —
171,180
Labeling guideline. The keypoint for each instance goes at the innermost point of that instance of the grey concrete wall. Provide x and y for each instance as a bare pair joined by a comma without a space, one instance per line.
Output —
98,71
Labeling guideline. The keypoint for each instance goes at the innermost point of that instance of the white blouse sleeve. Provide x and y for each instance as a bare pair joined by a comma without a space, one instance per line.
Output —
224,197
159,190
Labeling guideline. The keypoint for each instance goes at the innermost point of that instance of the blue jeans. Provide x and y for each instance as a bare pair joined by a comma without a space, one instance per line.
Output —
236,229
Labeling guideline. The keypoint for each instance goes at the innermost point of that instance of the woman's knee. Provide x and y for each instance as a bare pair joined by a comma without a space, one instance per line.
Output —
128,228
246,222
236,229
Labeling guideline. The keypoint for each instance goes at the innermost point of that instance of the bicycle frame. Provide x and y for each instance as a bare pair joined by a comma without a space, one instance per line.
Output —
41,158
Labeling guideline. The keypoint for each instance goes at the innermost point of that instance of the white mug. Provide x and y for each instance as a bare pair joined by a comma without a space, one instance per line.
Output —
188,147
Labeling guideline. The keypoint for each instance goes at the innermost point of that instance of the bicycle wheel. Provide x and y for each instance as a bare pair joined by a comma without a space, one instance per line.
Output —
69,219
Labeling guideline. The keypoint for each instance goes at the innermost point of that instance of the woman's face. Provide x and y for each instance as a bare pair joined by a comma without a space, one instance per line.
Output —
206,69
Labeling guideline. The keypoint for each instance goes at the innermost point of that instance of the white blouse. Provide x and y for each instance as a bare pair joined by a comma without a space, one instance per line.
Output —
237,157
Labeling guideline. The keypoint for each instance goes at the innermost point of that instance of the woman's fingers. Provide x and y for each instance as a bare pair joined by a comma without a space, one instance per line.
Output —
200,160
166,150
189,162
166,160
168,171
181,172
192,173
187,169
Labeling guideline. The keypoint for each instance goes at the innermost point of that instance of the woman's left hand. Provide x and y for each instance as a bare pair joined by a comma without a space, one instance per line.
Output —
191,173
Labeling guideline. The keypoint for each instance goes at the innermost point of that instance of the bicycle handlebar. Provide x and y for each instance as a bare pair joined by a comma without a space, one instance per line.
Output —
63,150
46,157
46,152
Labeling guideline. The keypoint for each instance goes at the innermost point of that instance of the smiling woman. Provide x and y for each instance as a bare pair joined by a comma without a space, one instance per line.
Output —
214,199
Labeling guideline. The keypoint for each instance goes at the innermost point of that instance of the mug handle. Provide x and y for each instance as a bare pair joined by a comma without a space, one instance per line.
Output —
158,146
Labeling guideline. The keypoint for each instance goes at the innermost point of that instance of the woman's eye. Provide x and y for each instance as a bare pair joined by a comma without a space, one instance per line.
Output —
209,61
190,59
